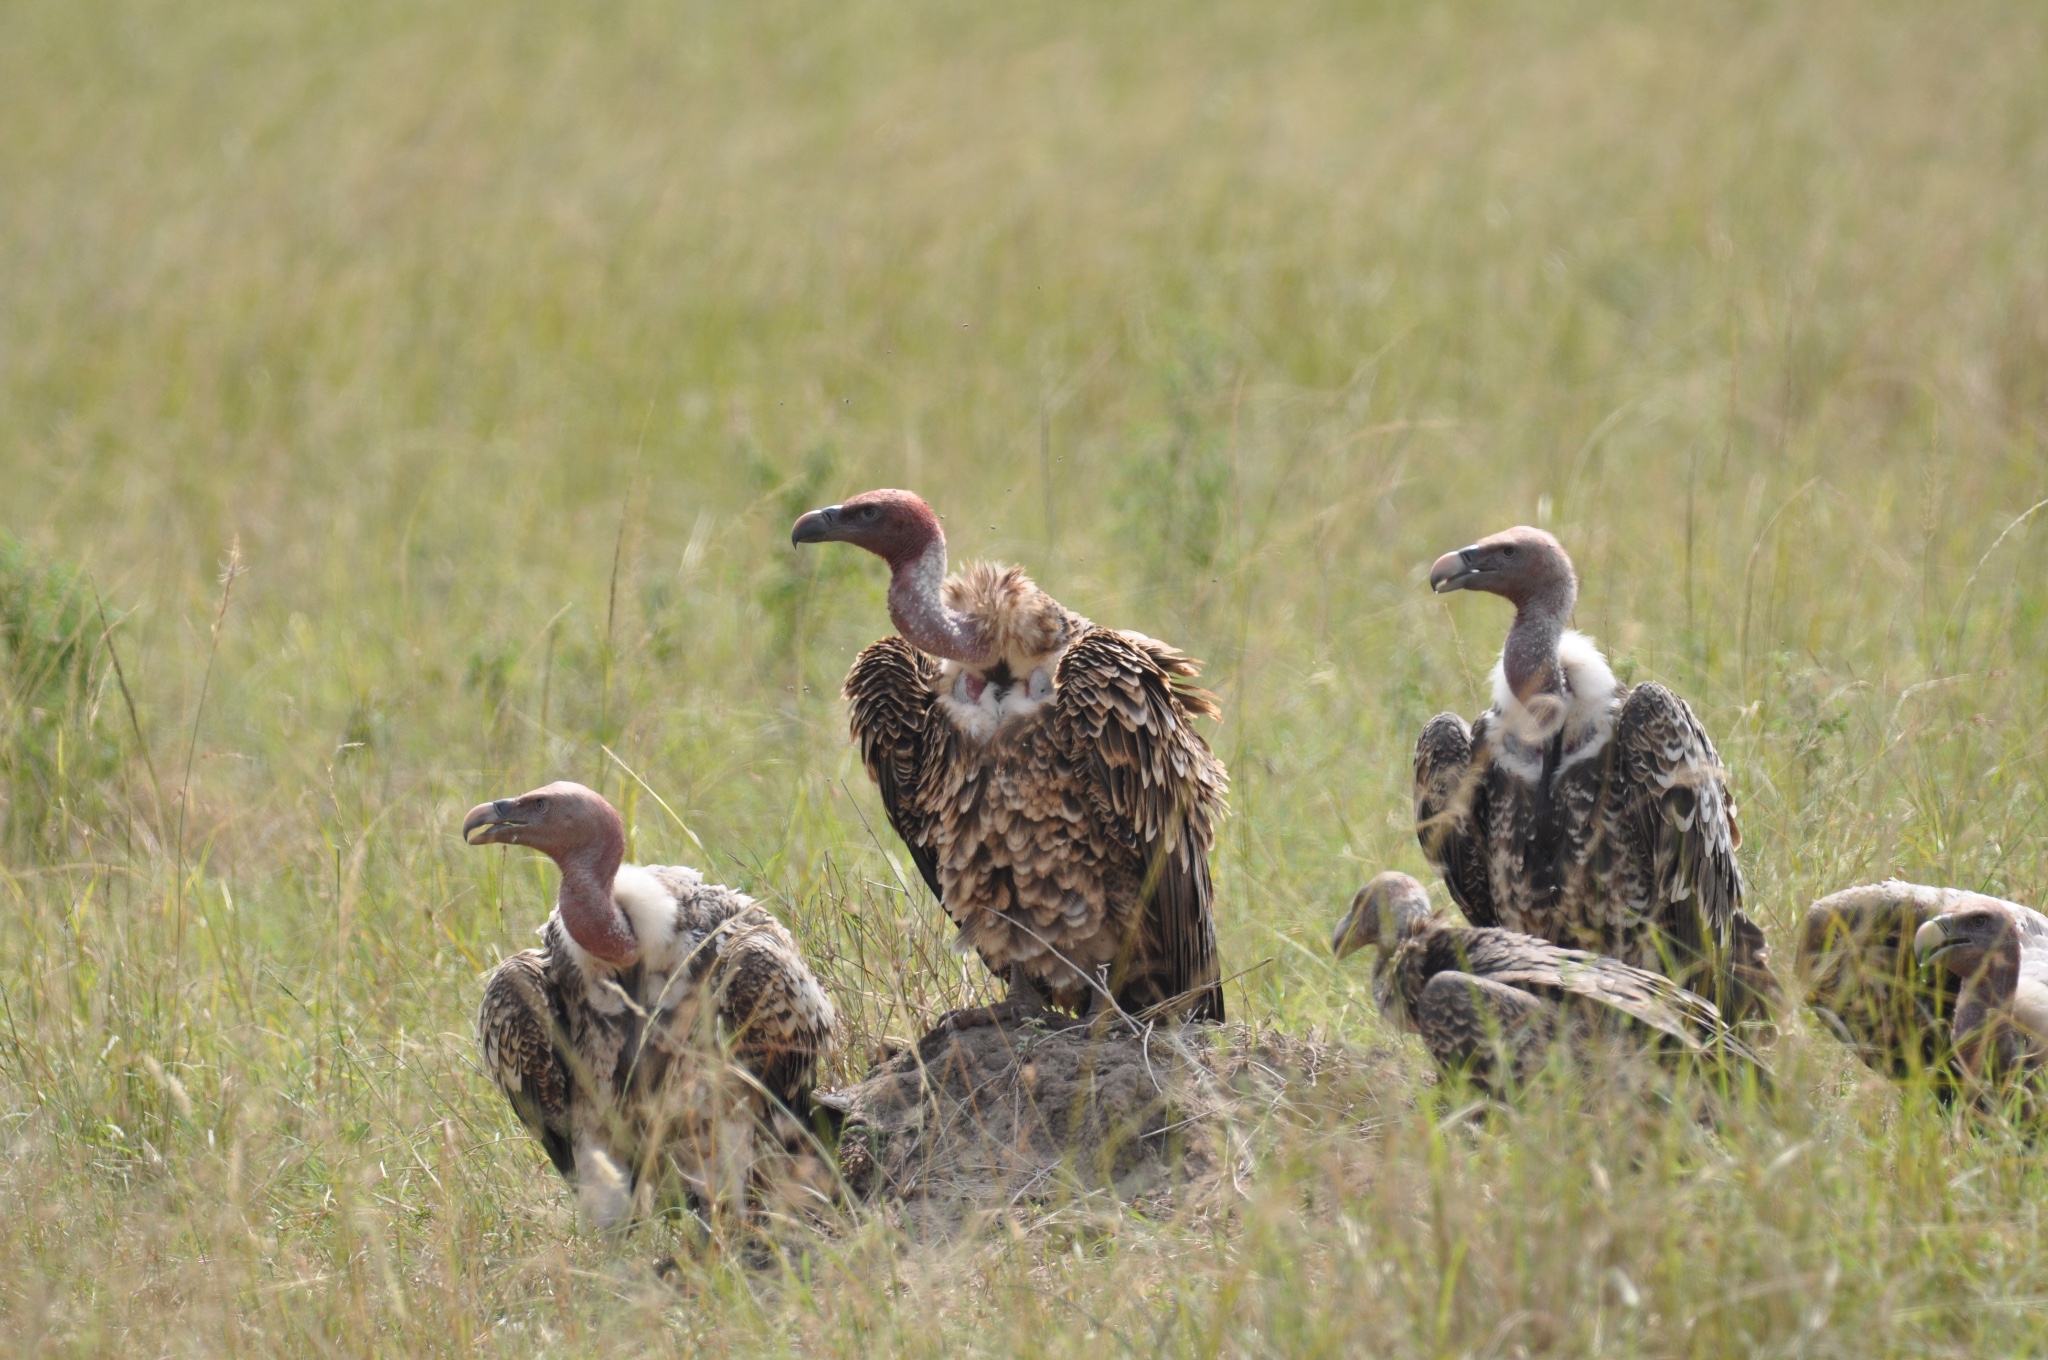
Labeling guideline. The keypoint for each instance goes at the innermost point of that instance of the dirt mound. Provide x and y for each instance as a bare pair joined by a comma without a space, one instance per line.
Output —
1045,1110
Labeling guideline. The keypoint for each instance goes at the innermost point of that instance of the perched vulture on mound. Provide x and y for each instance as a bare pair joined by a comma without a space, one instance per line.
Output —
606,1038
1580,810
1483,998
1044,773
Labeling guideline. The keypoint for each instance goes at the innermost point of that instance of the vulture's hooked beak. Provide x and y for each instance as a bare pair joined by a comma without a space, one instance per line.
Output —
1454,570
1938,938
819,526
1930,940
1946,935
1349,937
498,822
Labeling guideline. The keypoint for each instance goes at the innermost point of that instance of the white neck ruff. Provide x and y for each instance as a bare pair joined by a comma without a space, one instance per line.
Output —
1587,707
651,910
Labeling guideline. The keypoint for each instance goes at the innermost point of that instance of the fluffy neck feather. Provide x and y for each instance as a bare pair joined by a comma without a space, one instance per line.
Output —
1994,978
1585,686
917,606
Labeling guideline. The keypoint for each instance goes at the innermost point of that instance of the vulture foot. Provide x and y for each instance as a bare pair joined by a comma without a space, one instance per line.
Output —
1025,1003
1003,1015
1007,1014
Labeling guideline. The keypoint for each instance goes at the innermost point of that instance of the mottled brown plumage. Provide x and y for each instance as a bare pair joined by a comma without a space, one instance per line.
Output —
1998,951
1490,1002
1044,773
1580,810
1943,982
1856,964
622,1041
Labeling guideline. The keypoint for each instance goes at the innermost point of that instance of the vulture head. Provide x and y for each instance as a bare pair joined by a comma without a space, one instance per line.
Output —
556,819
1979,943
896,526
1384,912
1997,949
1523,565
586,838
899,528
1530,569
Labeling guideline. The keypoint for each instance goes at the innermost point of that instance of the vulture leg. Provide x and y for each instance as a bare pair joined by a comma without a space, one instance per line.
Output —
1484,1028
604,1187
1024,1002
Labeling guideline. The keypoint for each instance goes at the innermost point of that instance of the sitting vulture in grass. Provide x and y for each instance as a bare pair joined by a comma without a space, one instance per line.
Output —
1045,774
1998,951
1483,998
607,1039
1863,981
1578,809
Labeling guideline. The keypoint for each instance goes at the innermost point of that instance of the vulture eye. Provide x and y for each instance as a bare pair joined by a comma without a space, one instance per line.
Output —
540,807
868,512
1508,551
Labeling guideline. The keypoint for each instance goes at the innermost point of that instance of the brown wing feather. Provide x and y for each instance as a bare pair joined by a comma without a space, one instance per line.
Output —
1649,998
1479,1025
1554,973
889,700
1451,815
1678,811
771,1006
1123,719
518,1037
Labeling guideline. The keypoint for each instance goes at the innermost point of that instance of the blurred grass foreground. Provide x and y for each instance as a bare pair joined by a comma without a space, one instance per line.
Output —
501,342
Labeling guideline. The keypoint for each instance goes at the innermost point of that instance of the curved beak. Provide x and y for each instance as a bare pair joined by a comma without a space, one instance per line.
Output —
1348,938
1454,570
1933,940
497,822
819,526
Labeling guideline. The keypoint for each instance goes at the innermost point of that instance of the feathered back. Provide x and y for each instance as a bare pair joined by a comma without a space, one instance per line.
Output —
1181,671
1019,622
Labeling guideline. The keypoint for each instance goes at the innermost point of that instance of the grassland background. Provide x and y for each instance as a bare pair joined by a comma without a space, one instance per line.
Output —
506,339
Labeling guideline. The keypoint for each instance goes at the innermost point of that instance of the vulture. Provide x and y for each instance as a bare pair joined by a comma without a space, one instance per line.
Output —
1044,773
1585,812
1490,1002
610,1039
1863,982
1998,952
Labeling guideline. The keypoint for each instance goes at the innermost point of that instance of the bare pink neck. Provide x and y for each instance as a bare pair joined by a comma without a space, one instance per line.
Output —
917,606
589,912
1529,660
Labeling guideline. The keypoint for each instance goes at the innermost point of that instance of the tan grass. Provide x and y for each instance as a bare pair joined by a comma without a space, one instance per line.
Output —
1224,319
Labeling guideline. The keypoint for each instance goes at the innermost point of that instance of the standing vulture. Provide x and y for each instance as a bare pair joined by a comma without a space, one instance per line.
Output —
1484,999
605,1039
1045,774
1581,810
